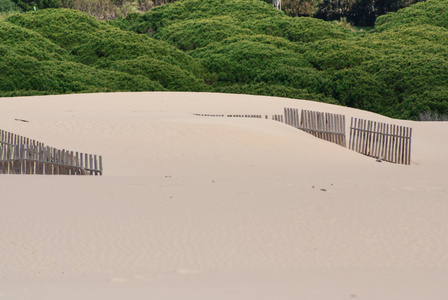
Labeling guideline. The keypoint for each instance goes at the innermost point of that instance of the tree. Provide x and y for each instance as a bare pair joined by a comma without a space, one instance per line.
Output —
27,5
359,12
298,8
334,9
8,6
362,13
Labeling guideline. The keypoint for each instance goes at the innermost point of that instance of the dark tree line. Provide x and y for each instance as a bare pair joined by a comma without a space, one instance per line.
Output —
359,12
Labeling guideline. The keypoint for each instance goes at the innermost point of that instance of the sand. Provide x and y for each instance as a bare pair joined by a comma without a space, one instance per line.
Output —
194,207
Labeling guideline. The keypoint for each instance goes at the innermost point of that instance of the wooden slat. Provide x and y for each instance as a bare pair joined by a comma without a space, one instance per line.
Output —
387,142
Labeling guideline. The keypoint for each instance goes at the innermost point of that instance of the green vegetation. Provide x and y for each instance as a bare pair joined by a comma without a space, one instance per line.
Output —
398,69
7,6
64,51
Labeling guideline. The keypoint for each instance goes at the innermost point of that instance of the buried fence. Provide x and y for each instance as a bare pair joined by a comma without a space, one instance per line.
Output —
20,155
383,141
326,126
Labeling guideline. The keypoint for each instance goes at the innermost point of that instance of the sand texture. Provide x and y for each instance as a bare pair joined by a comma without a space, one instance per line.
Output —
194,207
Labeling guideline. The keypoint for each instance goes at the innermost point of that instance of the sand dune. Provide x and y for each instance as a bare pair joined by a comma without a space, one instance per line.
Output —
218,208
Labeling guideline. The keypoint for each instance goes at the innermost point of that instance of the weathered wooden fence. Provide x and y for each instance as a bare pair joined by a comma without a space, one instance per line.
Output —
9,138
208,115
326,126
292,117
383,141
20,155
231,116
245,116
278,118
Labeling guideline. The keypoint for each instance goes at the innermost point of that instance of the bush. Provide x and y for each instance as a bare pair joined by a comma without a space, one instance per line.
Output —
431,105
170,77
243,60
99,45
433,12
29,5
264,89
302,29
193,34
239,46
29,43
59,77
7,6
335,54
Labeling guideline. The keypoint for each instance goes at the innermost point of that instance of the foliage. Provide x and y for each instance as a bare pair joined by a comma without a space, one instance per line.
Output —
7,6
25,74
335,54
300,7
276,90
193,34
424,13
169,76
386,71
29,5
399,69
359,12
99,45
242,60
29,43
31,64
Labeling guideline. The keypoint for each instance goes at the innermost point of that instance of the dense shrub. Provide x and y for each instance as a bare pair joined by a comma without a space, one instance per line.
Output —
432,102
193,34
170,77
302,29
333,54
400,69
28,5
91,40
265,89
28,74
244,60
99,45
309,79
433,12
7,6
29,43
359,89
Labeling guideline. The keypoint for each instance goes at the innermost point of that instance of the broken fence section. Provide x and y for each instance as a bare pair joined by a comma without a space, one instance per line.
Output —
20,155
383,141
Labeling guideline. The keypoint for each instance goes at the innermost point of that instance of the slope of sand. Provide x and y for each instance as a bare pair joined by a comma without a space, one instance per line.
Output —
196,207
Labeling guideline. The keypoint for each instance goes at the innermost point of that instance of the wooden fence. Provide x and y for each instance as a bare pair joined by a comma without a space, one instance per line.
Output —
383,141
9,138
231,116
245,116
292,117
32,157
278,118
326,126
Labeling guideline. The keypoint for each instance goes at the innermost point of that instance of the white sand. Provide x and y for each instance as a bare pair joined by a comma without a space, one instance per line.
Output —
196,207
